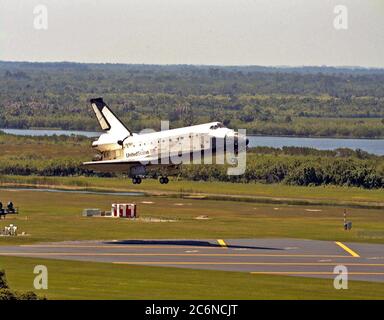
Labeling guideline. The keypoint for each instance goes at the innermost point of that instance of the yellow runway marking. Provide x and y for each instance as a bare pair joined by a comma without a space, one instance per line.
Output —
350,251
222,243
172,254
316,273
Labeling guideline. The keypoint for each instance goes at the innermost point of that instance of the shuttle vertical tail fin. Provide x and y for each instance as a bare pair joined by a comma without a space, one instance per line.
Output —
108,121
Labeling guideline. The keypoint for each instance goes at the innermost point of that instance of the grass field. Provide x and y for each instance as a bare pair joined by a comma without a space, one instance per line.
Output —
16,147
51,216
48,216
89,280
323,195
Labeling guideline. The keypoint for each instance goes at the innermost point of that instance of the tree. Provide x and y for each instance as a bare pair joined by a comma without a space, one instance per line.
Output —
187,115
7,294
3,280
247,114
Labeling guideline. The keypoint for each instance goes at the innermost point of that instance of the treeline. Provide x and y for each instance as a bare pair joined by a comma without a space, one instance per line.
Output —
293,170
306,151
298,170
289,165
53,140
57,167
272,101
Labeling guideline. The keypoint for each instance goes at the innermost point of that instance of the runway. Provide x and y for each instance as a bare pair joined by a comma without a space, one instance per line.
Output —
293,257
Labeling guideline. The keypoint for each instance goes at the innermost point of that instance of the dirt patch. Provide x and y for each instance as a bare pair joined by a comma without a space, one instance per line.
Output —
152,219
202,218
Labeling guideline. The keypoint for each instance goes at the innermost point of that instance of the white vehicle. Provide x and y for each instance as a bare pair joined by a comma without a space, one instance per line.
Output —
158,154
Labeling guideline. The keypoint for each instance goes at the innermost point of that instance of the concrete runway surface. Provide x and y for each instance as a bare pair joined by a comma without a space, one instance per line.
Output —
293,257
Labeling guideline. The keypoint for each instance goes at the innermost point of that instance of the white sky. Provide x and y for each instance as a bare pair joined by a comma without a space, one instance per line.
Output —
219,32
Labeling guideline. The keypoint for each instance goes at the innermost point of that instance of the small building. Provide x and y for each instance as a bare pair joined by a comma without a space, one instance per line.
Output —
124,210
91,212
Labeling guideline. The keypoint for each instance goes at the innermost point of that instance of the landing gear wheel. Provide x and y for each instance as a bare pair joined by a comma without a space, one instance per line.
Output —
163,180
136,180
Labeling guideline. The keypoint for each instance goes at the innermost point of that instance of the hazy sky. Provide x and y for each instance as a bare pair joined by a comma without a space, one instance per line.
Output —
220,32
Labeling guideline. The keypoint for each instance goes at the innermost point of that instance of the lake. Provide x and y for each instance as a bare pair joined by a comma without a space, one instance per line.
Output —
49,132
375,146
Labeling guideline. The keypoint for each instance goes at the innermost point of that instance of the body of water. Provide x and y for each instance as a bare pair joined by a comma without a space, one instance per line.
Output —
375,146
48,132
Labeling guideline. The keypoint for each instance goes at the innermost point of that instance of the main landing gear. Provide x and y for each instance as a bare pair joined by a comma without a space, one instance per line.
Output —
136,180
163,180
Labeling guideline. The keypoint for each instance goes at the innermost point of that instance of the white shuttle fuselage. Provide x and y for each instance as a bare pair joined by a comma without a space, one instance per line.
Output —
156,153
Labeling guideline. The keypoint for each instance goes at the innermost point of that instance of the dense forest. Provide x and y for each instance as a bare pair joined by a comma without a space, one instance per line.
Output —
62,156
310,101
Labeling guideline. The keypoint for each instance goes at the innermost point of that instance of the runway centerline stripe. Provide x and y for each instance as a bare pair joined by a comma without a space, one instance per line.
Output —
349,250
222,243
171,254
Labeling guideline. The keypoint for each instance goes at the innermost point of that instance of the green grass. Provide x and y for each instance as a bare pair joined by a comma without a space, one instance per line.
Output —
47,216
90,280
16,147
326,194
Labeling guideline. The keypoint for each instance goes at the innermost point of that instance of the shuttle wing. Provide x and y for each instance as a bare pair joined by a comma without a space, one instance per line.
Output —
111,165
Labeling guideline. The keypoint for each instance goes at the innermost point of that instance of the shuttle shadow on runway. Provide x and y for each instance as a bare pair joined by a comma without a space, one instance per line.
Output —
193,243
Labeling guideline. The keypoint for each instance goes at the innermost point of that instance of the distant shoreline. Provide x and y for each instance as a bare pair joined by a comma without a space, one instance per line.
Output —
287,68
315,137
249,135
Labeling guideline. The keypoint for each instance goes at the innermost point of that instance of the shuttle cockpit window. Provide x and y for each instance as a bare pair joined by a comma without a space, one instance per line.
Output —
217,126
